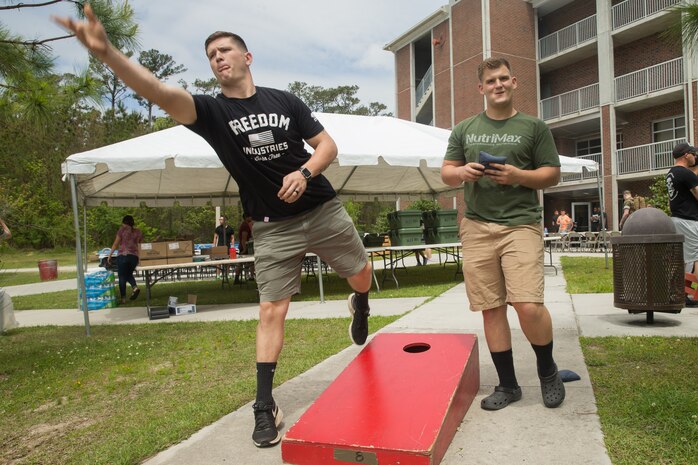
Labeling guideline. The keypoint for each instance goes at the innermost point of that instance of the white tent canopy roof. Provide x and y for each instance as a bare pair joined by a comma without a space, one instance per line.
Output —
379,157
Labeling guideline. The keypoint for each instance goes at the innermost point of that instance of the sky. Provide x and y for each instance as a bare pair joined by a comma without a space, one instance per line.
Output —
320,42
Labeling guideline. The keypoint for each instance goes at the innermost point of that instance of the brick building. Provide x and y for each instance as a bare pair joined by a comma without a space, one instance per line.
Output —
598,72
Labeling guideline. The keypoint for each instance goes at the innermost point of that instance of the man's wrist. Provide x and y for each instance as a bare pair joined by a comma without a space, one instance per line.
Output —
307,174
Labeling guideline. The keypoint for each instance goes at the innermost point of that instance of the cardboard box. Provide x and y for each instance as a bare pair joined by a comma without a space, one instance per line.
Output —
152,250
188,308
180,249
216,253
152,262
178,260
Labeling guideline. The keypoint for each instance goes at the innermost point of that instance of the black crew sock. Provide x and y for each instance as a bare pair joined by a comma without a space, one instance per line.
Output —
361,300
265,381
504,363
544,359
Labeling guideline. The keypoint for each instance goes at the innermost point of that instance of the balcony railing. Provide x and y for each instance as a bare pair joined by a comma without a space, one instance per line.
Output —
586,174
630,11
648,157
568,37
569,103
423,86
648,80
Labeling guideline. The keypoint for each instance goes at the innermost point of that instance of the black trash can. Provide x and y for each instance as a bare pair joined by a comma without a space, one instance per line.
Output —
648,268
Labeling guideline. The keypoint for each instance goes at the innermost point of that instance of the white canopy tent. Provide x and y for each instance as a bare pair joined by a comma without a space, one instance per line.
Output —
379,157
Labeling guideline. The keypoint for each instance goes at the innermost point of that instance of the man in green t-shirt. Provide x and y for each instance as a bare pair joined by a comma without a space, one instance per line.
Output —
502,232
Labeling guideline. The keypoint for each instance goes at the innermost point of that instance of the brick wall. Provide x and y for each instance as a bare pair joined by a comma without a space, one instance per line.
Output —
566,16
466,17
582,73
442,76
643,53
513,37
565,147
403,59
639,129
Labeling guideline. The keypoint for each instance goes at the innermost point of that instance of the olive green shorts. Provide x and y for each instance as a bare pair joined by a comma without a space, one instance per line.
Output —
280,246
502,264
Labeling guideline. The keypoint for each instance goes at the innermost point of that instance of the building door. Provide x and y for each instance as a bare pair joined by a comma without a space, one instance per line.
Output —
581,215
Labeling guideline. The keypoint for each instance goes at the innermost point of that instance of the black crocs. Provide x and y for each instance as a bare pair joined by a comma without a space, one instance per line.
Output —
552,389
501,397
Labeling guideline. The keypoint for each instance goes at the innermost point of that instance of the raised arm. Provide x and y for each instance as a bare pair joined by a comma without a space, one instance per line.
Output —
177,102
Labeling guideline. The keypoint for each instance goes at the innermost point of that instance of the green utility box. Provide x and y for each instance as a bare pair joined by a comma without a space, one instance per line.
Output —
406,236
442,235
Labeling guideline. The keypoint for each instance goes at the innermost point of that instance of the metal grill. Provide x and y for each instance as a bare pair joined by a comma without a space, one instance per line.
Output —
648,276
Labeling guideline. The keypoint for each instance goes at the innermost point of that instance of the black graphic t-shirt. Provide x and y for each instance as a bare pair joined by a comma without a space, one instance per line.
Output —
260,140
679,182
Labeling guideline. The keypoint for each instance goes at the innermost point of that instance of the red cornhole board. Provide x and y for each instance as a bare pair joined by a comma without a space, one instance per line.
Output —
399,401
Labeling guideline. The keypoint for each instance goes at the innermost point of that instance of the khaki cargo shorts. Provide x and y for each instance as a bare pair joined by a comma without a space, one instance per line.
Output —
280,246
501,264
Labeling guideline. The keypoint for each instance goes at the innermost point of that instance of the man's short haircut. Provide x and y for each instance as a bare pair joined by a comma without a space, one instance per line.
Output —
218,34
492,63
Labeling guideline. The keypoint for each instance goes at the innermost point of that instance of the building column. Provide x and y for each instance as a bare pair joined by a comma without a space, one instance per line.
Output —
604,28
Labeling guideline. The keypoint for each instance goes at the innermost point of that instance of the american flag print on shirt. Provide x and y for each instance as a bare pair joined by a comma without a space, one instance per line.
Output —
261,138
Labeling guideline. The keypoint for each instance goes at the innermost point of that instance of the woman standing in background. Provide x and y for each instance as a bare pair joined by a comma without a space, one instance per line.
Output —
127,239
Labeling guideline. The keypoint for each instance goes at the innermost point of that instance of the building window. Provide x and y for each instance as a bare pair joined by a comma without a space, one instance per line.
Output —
669,129
619,140
588,146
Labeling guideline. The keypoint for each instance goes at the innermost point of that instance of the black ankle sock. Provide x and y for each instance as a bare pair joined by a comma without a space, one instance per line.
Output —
544,359
504,363
265,380
361,300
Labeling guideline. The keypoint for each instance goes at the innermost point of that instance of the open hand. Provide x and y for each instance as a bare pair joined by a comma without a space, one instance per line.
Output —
91,32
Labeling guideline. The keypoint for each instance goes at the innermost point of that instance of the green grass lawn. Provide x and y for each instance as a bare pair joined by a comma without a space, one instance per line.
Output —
65,398
29,258
8,278
429,280
645,390
644,386
130,391
587,275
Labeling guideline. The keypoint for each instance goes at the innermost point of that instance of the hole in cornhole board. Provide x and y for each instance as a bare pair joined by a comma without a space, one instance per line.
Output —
416,347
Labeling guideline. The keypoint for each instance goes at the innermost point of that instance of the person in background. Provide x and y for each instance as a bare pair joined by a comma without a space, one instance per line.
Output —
224,234
7,315
596,220
564,223
628,208
502,233
244,236
682,187
245,233
554,227
127,239
5,234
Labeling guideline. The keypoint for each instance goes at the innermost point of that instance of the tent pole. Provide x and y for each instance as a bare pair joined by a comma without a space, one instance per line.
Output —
603,214
84,232
319,269
78,256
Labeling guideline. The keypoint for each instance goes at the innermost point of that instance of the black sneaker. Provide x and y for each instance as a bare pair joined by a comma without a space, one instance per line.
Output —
267,418
358,330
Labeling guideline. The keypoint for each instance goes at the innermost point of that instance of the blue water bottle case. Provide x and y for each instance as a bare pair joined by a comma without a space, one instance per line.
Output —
487,158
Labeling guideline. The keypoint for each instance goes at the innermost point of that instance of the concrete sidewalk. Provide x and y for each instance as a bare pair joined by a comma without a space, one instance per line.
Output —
523,433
